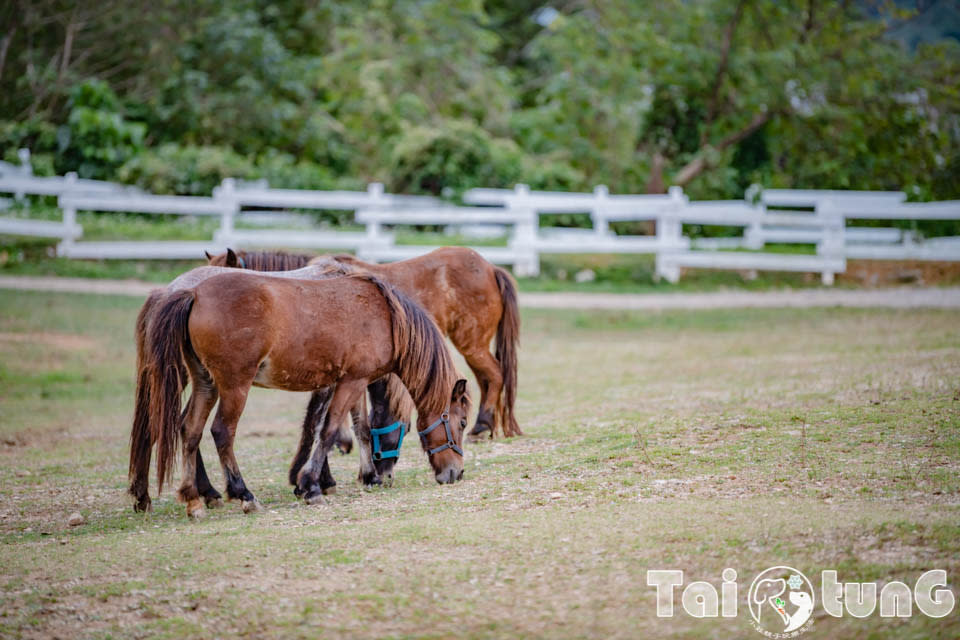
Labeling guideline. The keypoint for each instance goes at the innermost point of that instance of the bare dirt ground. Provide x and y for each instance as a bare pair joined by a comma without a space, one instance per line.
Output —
893,297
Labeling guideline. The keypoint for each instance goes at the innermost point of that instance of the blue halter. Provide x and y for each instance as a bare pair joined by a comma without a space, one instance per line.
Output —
378,452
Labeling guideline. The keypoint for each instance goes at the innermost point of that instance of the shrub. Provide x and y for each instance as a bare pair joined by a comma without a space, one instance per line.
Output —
452,157
283,171
190,170
39,136
97,139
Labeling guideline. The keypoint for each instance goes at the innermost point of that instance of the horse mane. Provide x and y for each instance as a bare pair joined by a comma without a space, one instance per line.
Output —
423,363
339,258
332,270
273,260
399,402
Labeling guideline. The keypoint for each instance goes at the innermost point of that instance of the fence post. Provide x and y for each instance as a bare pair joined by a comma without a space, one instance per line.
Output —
753,234
600,196
376,201
831,248
524,240
26,170
70,228
669,236
226,195
25,166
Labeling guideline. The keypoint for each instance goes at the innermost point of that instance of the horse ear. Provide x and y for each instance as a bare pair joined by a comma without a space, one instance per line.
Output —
459,390
209,257
231,260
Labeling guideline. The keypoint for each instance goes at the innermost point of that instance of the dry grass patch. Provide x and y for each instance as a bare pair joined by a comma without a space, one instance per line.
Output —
696,441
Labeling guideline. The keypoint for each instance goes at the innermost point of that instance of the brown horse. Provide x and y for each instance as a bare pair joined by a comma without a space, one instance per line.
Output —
235,330
470,300
142,438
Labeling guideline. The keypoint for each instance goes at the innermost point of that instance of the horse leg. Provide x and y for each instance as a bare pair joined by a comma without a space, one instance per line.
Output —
316,412
345,396
344,441
224,430
210,495
361,427
202,399
490,380
328,486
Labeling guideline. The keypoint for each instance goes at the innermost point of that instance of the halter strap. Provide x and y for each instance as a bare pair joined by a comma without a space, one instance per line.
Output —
444,419
378,452
241,261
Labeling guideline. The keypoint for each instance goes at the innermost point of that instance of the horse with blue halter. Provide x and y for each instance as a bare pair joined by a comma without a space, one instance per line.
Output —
235,330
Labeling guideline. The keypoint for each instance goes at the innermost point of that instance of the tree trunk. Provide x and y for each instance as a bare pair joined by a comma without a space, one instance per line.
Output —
655,184
699,163
5,47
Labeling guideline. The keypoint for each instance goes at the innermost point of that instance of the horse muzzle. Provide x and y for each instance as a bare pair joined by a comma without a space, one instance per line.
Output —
449,475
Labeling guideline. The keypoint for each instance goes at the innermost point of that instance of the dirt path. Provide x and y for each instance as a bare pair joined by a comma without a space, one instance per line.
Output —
897,297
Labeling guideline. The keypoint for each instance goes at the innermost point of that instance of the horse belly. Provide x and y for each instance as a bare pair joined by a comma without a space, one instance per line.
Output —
276,375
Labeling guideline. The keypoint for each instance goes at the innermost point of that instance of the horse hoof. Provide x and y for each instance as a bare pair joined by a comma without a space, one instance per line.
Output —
251,506
214,502
329,491
143,505
315,498
195,510
479,430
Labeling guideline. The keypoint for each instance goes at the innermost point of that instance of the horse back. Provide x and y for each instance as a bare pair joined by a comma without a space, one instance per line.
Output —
291,334
450,283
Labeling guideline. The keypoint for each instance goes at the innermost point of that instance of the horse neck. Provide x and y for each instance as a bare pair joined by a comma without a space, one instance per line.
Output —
404,275
424,372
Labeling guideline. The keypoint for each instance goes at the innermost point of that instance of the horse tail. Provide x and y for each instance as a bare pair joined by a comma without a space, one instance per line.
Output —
141,442
508,338
168,345
423,363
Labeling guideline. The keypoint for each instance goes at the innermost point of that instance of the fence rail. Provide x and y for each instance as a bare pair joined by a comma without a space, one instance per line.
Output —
765,216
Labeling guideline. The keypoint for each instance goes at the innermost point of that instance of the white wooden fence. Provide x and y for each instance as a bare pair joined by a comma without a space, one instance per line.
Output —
766,216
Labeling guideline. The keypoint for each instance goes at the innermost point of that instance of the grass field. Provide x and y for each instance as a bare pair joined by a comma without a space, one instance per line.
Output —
820,439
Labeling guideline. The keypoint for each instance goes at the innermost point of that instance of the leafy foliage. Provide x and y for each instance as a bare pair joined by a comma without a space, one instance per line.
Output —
96,139
438,96
451,158
185,170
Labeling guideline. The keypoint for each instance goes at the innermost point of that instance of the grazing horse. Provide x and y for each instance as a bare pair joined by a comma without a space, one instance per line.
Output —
236,330
142,437
470,300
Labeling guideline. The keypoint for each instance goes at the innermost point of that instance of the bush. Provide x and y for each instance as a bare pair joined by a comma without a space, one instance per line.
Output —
451,158
283,171
39,136
173,169
548,174
97,139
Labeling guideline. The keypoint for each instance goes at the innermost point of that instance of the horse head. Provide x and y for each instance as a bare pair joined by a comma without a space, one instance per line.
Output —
442,438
